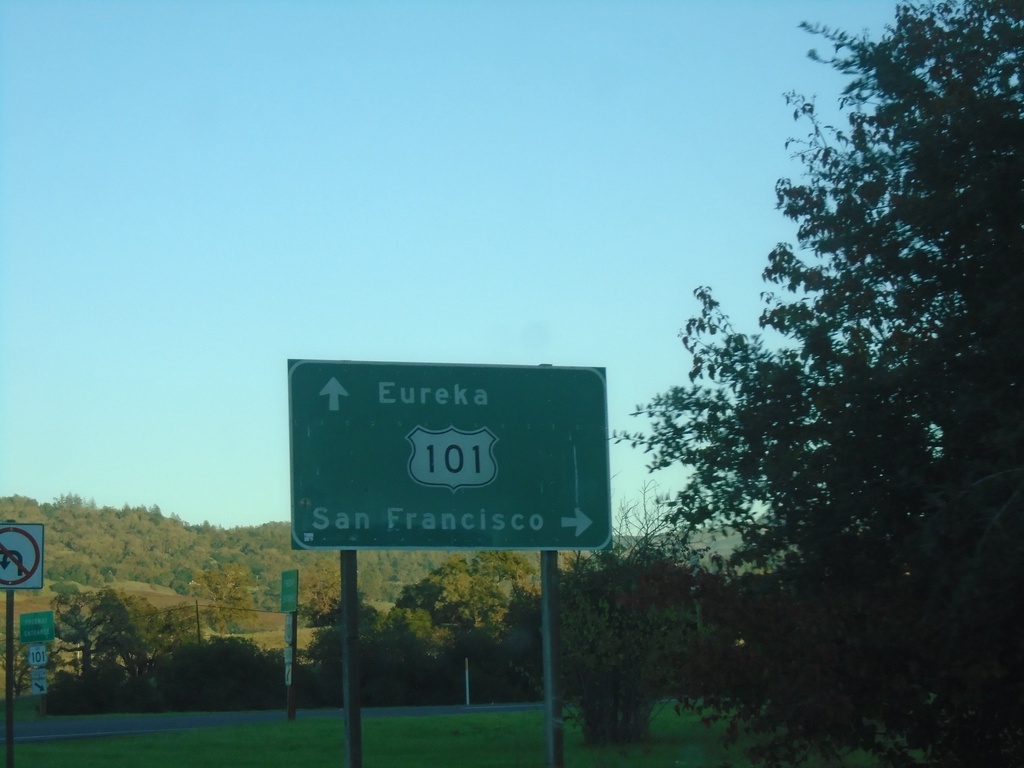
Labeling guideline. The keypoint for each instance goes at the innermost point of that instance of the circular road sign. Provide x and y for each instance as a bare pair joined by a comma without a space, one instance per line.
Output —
21,556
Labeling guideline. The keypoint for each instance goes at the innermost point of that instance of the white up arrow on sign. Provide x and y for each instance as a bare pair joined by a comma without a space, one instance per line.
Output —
333,390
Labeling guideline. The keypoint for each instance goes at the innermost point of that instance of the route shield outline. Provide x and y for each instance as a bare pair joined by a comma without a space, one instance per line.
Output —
452,458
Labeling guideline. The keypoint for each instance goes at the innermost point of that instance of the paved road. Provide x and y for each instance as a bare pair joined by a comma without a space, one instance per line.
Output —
59,728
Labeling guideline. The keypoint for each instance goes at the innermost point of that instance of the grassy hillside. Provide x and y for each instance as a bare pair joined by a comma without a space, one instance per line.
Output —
138,549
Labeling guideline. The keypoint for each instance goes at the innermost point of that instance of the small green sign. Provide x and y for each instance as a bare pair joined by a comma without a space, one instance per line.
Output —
422,456
289,591
37,627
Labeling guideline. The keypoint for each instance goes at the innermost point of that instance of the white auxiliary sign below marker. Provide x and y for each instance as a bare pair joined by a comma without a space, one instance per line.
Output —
38,681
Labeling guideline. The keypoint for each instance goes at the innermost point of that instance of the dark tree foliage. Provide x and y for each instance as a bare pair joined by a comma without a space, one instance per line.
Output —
483,612
467,594
97,691
629,615
109,646
613,646
95,628
873,461
224,673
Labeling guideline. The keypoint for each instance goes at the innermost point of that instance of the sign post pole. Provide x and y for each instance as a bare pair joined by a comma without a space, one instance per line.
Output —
350,659
21,567
9,721
554,726
293,619
290,607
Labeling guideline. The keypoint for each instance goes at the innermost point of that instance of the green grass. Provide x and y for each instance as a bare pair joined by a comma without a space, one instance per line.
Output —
508,740
25,708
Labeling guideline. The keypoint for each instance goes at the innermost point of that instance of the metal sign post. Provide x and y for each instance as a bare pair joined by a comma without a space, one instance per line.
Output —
290,607
554,725
9,670
21,567
350,660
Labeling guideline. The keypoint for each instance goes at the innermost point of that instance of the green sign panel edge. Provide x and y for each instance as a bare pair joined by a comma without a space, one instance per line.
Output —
289,591
448,456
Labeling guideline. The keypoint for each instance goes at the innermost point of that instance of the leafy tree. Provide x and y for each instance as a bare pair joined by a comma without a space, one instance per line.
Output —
400,659
231,588
626,613
467,594
97,691
405,662
94,628
22,670
609,669
320,594
521,643
225,673
160,632
483,610
504,567
101,656
873,460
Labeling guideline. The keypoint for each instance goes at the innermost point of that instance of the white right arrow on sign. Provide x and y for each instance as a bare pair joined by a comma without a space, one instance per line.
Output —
579,520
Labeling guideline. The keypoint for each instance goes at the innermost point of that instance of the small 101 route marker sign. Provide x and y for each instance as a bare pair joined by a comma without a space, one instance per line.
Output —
37,655
418,456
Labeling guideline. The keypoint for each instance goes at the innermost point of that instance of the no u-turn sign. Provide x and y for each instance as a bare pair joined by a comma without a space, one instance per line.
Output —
21,556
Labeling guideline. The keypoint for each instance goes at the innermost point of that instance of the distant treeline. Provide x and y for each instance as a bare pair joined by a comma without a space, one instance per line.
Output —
97,546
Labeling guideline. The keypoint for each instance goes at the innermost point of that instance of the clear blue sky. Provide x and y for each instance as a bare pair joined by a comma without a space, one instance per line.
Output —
192,192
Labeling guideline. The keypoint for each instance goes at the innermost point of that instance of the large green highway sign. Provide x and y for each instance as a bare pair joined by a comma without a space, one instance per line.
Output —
410,456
